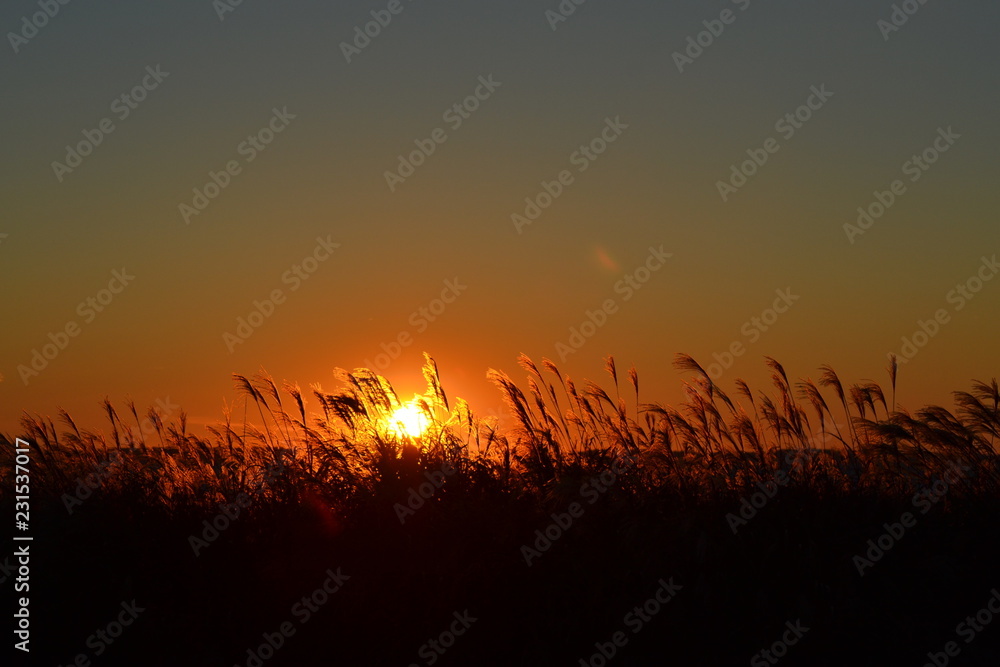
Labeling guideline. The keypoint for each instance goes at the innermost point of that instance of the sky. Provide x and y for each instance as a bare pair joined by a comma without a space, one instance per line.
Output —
192,190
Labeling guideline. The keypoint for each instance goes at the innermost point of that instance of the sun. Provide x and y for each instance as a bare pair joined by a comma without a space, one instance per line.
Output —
408,421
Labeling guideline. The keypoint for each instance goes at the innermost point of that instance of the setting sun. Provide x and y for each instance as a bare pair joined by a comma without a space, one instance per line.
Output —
409,420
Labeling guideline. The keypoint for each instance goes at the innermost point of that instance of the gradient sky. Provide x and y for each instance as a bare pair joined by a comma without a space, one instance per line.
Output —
323,176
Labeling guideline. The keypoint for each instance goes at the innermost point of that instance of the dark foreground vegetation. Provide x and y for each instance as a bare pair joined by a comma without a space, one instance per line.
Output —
818,522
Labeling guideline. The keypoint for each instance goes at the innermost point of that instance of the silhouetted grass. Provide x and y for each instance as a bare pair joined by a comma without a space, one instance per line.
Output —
326,484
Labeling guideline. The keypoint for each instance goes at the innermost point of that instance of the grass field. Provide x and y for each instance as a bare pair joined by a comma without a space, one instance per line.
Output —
817,521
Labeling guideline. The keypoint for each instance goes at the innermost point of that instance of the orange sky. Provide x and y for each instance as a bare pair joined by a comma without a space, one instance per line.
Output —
592,122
